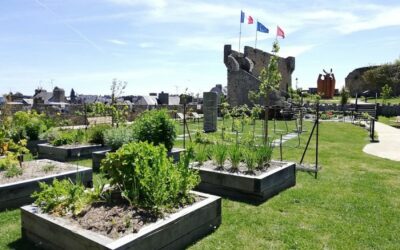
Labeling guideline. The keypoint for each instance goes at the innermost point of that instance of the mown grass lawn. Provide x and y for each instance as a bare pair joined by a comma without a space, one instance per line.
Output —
354,203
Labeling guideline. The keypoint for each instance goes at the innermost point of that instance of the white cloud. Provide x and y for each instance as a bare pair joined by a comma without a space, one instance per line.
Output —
117,42
145,45
295,50
150,3
386,17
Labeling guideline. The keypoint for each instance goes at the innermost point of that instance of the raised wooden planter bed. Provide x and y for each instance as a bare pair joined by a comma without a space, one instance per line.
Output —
16,194
33,146
100,155
254,188
68,152
176,231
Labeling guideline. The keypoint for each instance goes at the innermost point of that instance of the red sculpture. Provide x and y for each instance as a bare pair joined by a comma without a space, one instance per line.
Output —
326,85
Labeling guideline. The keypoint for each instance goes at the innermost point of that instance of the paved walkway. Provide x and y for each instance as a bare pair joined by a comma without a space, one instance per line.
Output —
389,143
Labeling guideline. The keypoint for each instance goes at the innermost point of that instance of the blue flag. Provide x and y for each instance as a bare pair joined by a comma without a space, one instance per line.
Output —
262,28
241,16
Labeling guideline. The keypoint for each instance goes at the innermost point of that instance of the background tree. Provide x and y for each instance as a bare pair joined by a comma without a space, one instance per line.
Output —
344,98
389,73
386,93
270,78
117,89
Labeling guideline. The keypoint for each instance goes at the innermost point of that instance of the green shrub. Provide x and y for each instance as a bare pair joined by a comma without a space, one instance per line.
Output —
66,137
235,156
96,133
220,153
148,178
155,127
27,125
249,157
10,165
116,137
263,155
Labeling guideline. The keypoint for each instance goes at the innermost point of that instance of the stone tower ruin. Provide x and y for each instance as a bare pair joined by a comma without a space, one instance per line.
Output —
244,71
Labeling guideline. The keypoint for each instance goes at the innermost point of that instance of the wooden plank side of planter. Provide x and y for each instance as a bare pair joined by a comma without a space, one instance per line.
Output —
13,195
47,151
175,231
247,187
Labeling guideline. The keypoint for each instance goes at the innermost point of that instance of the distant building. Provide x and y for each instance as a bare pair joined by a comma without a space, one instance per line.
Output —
146,101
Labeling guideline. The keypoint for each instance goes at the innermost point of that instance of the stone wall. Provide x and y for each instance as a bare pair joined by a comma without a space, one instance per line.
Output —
384,110
244,69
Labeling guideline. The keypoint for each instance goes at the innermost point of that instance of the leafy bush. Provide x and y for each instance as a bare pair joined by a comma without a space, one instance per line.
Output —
27,125
116,137
65,137
63,197
220,153
96,133
147,177
263,155
10,165
235,156
155,127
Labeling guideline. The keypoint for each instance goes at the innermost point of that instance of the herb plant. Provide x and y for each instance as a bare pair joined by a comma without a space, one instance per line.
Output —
235,156
146,177
249,157
220,154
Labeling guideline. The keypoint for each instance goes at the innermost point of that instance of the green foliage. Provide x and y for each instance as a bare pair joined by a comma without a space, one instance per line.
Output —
202,154
96,133
263,155
63,197
235,156
386,92
386,74
116,137
147,177
155,127
27,125
13,170
220,154
48,168
344,96
10,165
249,156
58,137
270,76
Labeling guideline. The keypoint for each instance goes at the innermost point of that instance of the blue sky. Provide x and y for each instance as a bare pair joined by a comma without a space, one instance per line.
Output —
172,45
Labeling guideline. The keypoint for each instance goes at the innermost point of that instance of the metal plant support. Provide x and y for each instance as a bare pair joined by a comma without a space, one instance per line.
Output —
316,129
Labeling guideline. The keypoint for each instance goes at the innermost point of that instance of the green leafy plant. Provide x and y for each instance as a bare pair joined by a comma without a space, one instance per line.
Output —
249,156
220,154
156,127
96,133
116,137
146,177
10,165
235,155
62,197
263,155
386,92
48,168
13,170
202,154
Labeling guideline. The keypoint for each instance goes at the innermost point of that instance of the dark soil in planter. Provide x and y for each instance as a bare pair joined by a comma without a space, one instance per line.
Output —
242,169
118,219
37,168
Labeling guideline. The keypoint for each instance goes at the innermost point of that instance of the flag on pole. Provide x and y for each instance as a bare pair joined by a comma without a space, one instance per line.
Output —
241,16
249,20
279,32
262,28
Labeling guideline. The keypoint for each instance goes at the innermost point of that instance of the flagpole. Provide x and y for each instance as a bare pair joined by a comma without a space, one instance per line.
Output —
240,31
255,45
